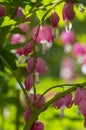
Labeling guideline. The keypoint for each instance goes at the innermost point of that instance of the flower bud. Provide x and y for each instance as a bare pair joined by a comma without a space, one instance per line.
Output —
40,66
37,126
37,102
79,95
54,19
68,11
19,12
29,82
28,48
27,114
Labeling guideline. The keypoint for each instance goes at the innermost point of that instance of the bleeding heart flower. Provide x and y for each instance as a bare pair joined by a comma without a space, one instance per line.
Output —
24,27
67,66
78,49
82,107
38,103
54,19
37,126
29,47
40,66
19,51
17,38
80,94
68,11
19,12
59,103
27,114
45,34
64,101
68,14
67,37
68,100
29,82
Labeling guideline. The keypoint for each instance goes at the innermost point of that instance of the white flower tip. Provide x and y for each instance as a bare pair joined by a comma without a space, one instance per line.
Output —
68,26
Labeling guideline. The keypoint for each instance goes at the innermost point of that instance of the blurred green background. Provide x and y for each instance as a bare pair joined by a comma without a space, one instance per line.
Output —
11,96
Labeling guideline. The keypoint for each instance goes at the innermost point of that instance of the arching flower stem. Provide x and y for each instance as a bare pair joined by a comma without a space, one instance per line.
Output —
36,113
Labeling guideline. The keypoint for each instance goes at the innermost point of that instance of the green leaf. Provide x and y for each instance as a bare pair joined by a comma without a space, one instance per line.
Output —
6,21
4,30
13,46
40,13
10,58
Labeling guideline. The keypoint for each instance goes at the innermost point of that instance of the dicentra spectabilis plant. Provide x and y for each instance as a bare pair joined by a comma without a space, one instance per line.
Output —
23,34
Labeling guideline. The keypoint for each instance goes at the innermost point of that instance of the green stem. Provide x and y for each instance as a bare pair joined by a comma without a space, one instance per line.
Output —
16,77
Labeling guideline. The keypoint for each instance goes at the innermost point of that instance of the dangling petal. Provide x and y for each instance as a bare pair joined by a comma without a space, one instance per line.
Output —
81,8
68,26
62,111
21,59
43,47
36,77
